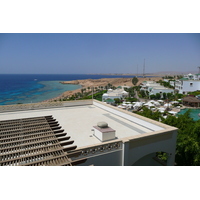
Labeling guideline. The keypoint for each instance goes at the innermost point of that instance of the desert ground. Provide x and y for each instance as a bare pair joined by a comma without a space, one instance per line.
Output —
100,82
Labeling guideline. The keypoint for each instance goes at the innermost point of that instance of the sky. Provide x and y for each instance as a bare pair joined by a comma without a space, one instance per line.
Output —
79,53
120,50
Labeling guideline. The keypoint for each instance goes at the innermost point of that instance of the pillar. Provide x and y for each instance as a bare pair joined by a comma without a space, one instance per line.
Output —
125,153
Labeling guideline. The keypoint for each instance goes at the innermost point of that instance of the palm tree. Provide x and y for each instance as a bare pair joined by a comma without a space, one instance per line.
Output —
134,81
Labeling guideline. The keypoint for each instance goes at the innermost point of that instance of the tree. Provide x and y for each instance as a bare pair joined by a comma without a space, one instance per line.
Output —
158,96
170,96
109,85
188,138
164,95
131,99
150,114
152,96
117,100
134,80
130,91
142,94
137,88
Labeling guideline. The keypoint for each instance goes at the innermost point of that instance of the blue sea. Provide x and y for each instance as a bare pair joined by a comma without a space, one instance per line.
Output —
33,88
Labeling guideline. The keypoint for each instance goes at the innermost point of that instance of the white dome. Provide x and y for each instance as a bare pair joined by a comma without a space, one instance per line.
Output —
124,92
105,95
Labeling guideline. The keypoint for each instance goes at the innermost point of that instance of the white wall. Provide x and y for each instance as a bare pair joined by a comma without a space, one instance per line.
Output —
107,159
135,150
155,91
190,88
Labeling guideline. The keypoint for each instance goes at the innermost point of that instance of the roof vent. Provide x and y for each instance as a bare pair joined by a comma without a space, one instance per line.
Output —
103,132
102,124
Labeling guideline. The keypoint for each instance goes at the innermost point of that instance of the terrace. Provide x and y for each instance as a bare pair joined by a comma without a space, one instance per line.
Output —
135,141
78,121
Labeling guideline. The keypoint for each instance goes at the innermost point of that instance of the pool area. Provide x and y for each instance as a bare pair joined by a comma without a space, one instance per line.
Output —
194,113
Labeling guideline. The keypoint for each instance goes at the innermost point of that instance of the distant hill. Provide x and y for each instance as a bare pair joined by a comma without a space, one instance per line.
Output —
172,73
161,73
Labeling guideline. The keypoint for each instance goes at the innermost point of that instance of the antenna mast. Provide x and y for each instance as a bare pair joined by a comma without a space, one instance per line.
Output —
199,69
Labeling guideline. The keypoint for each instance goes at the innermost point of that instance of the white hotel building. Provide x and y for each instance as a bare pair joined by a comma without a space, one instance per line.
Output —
112,94
189,83
129,139
153,88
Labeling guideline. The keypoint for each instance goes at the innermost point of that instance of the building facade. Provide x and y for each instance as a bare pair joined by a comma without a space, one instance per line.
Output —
189,83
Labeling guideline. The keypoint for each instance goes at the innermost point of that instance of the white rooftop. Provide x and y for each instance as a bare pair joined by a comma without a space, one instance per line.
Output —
78,122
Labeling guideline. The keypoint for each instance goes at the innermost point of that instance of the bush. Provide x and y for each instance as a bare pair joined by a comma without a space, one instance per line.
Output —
152,96
117,100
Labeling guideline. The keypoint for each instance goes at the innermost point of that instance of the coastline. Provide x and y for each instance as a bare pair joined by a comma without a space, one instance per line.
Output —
89,83
34,92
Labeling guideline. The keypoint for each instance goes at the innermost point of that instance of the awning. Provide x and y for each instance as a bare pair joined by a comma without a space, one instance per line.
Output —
37,141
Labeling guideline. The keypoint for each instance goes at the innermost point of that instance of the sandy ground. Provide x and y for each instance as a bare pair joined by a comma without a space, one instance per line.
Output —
100,82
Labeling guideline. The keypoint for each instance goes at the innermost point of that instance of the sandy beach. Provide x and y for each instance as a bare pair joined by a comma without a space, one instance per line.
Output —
100,82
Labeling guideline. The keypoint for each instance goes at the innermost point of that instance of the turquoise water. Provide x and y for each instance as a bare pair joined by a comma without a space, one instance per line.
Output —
194,113
41,91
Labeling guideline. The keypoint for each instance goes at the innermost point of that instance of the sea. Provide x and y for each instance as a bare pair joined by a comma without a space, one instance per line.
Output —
34,88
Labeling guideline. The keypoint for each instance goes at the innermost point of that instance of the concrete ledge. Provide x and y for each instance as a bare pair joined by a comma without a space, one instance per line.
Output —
107,107
43,105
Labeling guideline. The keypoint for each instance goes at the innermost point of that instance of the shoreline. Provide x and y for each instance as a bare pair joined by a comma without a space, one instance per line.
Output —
89,83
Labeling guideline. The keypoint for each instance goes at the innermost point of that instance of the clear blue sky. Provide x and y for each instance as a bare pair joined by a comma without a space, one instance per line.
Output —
68,53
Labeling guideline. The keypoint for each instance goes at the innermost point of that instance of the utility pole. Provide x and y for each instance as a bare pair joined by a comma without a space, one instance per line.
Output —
144,69
137,71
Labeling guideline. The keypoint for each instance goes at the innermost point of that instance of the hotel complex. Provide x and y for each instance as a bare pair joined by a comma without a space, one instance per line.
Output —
82,133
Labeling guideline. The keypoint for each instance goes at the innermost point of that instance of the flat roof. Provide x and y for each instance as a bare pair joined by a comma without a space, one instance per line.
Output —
78,122
161,88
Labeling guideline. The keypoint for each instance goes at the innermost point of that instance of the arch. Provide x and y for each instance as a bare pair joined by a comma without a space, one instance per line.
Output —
151,159
137,155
